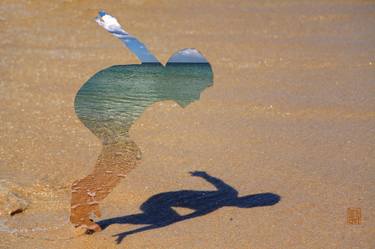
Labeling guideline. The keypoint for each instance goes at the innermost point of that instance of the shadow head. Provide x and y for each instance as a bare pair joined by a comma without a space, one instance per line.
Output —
258,200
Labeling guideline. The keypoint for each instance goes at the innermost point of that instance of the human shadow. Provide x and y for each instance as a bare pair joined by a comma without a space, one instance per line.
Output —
158,210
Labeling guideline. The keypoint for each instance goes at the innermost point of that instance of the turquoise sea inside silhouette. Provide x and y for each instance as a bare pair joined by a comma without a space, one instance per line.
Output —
111,101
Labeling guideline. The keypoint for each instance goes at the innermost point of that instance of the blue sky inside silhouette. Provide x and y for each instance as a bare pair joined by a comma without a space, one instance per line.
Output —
110,23
139,49
187,55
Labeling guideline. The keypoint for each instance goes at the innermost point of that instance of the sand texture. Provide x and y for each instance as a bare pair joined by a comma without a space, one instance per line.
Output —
291,114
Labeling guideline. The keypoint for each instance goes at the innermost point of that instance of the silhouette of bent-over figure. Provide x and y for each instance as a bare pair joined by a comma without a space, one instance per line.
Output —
113,99
158,209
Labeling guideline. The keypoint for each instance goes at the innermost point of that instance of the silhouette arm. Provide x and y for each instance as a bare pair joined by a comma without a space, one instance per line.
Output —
111,24
219,184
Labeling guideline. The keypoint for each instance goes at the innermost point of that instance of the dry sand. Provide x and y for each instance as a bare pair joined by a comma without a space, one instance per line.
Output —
291,112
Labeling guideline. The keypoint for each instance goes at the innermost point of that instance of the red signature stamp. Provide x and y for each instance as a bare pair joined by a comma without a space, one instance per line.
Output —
354,216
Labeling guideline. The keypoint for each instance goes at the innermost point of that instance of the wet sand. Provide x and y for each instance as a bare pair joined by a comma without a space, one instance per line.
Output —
291,112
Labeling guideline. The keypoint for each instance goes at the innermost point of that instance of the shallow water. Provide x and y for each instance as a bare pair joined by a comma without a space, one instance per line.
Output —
110,102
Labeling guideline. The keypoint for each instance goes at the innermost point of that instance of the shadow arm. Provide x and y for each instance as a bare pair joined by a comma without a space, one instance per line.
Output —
121,236
220,185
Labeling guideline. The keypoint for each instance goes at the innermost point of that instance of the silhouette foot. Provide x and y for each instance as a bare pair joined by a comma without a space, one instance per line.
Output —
87,229
93,228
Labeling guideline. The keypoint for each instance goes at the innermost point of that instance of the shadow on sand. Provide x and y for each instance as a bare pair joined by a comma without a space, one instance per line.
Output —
158,210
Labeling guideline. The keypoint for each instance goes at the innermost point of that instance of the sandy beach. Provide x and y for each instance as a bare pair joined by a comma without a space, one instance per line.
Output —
291,113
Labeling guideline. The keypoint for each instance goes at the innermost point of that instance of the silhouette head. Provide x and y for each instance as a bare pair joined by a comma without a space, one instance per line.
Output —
192,74
189,81
249,201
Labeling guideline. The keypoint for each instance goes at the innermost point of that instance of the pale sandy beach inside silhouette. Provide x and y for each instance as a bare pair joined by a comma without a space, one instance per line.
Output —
291,112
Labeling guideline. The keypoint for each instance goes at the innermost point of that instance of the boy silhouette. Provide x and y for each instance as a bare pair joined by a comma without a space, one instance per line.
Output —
113,99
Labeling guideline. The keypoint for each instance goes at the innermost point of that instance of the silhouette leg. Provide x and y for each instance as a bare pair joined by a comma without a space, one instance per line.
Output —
114,162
